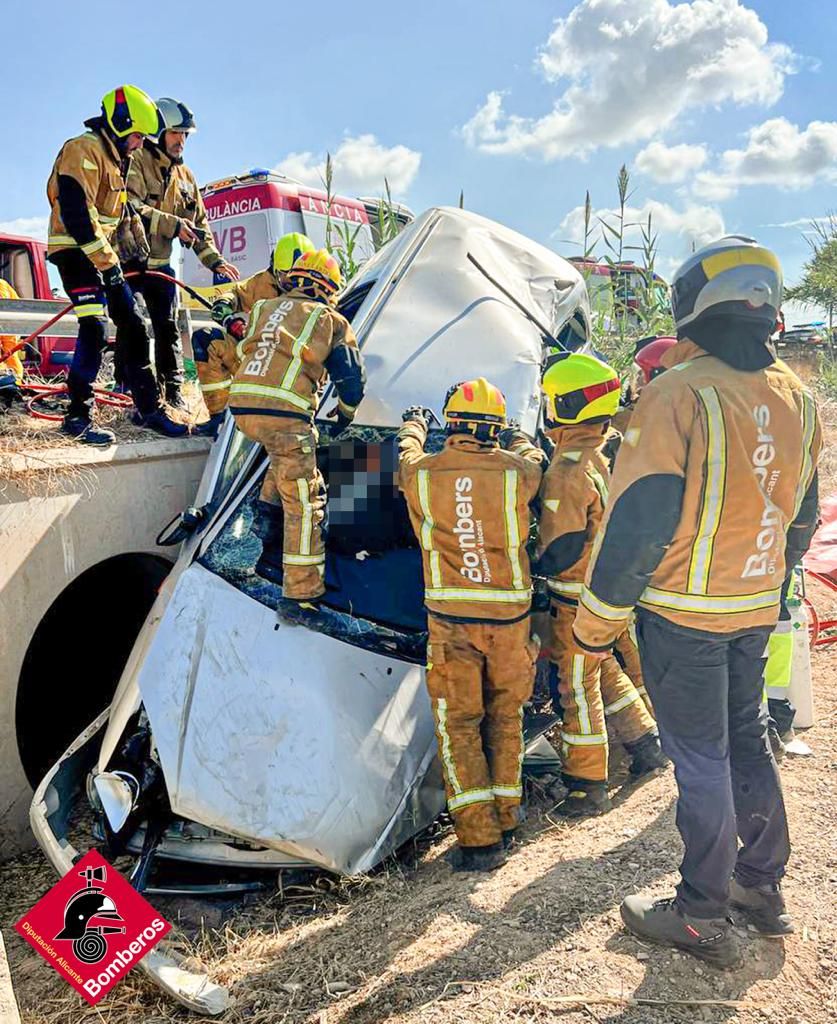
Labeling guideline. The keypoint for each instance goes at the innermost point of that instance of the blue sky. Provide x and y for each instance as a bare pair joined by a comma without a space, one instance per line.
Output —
723,109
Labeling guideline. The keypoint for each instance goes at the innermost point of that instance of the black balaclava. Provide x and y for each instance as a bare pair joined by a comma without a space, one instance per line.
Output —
740,342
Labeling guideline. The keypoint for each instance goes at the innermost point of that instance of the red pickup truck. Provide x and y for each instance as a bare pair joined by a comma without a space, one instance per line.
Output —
24,265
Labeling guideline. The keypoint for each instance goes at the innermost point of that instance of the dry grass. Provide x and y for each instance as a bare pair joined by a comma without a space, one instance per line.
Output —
24,435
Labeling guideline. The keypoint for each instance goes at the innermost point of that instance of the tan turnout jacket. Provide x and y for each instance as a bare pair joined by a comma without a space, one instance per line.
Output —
572,497
243,295
469,507
281,360
165,193
715,475
94,162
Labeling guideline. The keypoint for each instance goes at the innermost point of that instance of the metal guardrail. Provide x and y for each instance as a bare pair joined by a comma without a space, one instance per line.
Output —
20,317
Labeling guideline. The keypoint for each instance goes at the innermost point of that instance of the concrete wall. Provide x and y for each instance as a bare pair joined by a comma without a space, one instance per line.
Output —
62,513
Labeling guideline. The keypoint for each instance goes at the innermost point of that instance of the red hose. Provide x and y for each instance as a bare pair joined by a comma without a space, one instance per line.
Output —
102,395
66,309
35,334
174,280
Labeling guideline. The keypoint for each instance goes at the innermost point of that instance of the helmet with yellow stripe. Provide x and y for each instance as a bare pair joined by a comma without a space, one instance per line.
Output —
734,277
128,110
317,275
288,250
475,407
580,388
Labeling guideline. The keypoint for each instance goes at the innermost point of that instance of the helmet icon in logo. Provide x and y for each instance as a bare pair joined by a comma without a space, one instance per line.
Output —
83,907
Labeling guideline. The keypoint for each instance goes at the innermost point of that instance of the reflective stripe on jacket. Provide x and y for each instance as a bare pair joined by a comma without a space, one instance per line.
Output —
164,193
282,358
93,163
716,474
572,502
469,507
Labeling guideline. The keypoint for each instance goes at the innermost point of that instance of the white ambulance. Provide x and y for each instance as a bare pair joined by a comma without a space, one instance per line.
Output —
249,213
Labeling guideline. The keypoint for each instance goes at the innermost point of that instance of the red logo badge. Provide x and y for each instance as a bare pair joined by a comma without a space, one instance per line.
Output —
92,927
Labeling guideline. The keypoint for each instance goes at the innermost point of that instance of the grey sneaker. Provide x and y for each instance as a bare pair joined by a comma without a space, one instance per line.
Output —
764,906
662,921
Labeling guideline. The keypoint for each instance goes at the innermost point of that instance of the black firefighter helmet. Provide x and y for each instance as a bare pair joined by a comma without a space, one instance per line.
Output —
86,904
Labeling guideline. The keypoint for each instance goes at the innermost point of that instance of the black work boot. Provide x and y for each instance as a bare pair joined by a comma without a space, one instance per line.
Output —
583,799
509,838
161,423
477,858
662,921
83,430
764,906
646,755
268,526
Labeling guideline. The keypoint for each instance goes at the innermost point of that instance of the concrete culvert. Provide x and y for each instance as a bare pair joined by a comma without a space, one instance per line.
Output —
77,653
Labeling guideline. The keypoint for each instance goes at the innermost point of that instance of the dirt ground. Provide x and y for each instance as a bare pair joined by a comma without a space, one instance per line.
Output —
538,940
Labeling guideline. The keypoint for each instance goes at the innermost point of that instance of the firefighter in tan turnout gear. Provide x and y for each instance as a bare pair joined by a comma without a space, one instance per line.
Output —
215,348
87,193
165,194
714,498
291,344
469,507
582,394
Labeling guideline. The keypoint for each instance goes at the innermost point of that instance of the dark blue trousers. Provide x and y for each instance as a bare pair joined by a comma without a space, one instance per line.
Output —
707,691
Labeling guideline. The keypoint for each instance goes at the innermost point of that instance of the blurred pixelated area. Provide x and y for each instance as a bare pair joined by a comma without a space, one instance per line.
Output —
365,508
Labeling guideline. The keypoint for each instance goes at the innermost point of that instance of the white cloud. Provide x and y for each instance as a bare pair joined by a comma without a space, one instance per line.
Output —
670,164
360,165
631,67
776,153
679,231
800,222
34,226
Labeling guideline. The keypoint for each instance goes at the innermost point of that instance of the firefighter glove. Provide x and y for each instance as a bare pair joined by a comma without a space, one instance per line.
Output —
236,326
540,595
419,413
131,241
113,277
221,310
510,433
343,421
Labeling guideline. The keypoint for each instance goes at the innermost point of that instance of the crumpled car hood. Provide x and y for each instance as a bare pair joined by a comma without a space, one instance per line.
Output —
284,736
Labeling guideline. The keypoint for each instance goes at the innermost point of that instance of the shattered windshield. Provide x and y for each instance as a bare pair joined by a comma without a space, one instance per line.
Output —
373,577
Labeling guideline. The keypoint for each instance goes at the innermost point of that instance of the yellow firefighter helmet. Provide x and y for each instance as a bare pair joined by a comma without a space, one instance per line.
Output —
317,275
288,250
475,406
128,109
580,388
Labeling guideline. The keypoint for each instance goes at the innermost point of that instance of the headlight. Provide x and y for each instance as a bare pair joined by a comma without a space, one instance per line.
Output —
117,794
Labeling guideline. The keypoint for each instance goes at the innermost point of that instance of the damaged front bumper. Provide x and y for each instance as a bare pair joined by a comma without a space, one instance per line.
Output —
49,816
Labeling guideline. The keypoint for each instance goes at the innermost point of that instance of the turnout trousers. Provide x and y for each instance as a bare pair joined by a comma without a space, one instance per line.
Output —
707,691
293,481
160,301
593,693
479,675
93,303
626,652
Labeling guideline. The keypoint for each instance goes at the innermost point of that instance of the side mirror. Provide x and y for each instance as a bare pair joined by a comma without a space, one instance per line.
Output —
182,526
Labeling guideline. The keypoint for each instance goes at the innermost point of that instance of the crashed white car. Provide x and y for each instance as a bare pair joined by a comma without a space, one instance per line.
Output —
239,740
